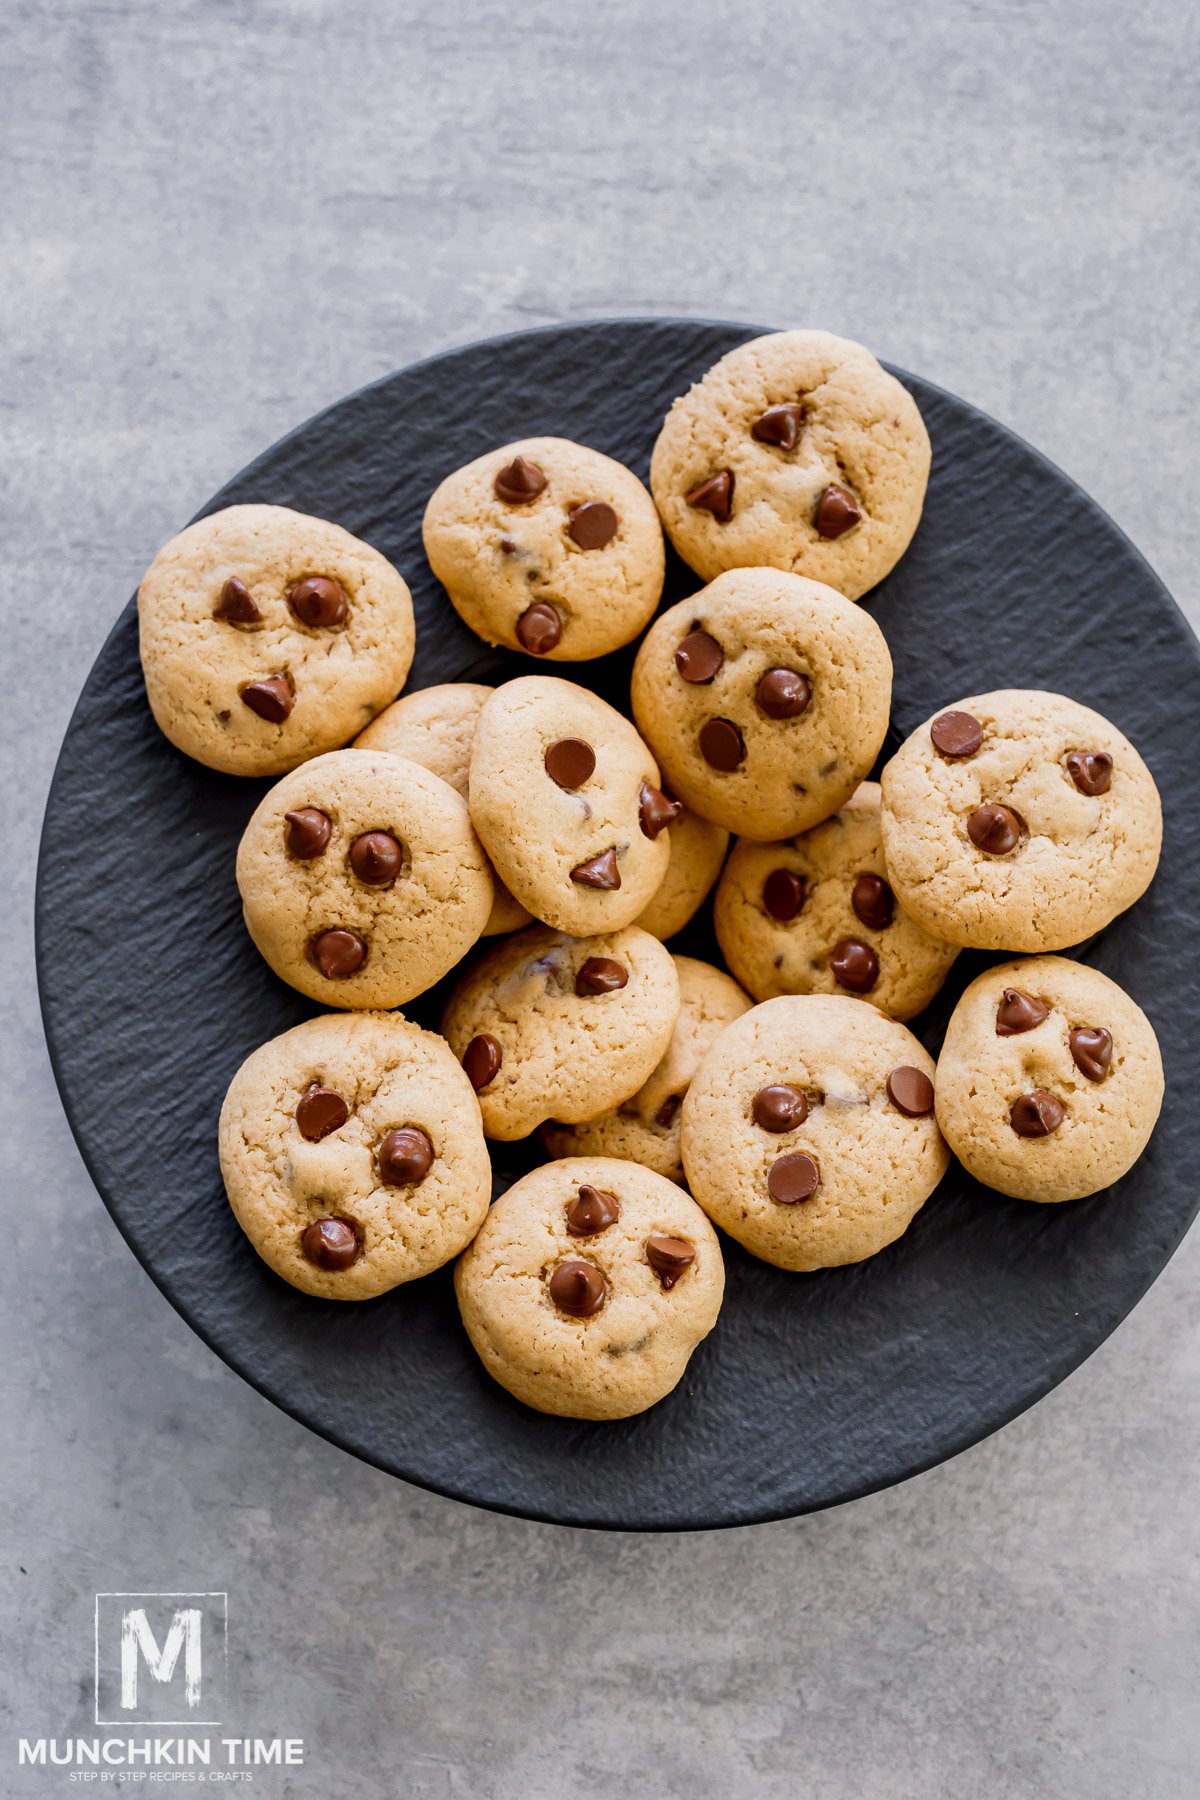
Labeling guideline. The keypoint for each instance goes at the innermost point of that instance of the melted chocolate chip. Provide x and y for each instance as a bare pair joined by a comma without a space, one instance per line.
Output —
508,546
577,1288
598,872
405,1156
910,1091
308,832
714,495
873,901
539,628
783,694
779,425
236,605
481,1059
376,858
779,1108
519,482
669,1257
1018,1012
698,657
331,1243
271,698
338,953
1037,1114
592,525
319,602
956,734
321,1110
854,965
784,894
996,829
721,745
570,762
793,1178
1090,770
655,810
1091,1048
837,511
592,1211
600,975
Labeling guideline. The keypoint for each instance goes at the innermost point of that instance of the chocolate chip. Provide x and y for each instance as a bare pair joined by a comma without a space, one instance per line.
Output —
910,1091
779,425
518,482
873,901
855,965
599,872
714,495
669,1257
600,975
338,953
783,694
779,1107
698,657
508,546
271,698
308,831
1037,1114
539,628
570,762
655,810
956,734
721,744
321,1110
784,894
331,1243
592,525
376,858
668,1109
481,1059
1092,1048
996,829
236,605
1090,770
577,1288
837,510
1018,1012
318,601
593,1211
405,1156
793,1178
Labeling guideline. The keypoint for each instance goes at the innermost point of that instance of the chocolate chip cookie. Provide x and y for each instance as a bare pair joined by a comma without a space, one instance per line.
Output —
1050,1081
698,850
796,451
589,1287
554,1027
645,1128
435,726
547,547
268,637
1019,820
765,700
353,1154
817,915
362,880
565,796
809,1131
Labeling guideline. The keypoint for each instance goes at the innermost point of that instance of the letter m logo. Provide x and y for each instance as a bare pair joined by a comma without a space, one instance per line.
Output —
160,1658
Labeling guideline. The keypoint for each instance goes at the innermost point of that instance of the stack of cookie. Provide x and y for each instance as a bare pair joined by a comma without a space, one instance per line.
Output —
787,1094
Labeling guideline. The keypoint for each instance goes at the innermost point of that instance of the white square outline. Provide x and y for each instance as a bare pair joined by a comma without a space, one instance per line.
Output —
131,1594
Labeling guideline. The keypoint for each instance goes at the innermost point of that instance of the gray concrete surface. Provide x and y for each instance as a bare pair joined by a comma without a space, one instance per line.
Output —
217,217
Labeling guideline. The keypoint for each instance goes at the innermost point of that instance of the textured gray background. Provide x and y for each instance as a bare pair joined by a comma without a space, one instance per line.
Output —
218,217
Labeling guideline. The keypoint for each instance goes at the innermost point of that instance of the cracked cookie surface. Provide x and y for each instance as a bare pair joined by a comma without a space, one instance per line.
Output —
797,451
589,1286
353,1154
362,879
268,637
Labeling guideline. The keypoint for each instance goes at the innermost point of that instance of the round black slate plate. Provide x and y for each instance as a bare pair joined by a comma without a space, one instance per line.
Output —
812,1389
